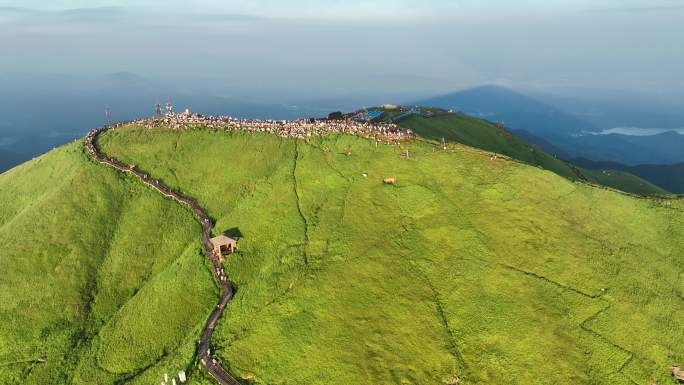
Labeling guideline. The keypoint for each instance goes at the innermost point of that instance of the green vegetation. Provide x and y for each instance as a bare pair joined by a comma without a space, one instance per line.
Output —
668,177
487,136
623,180
490,269
99,274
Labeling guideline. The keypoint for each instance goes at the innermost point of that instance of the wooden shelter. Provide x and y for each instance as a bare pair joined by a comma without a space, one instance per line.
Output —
223,246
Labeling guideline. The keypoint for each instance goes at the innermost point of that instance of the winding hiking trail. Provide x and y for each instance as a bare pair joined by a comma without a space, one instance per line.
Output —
213,365
210,363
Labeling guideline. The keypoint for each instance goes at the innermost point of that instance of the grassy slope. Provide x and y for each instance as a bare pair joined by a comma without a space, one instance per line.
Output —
482,134
623,180
489,269
98,273
669,177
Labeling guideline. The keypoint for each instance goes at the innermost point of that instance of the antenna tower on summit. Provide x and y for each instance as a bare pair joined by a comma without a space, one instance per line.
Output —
158,110
169,108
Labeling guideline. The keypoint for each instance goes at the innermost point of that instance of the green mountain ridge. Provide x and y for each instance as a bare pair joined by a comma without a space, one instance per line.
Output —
468,266
488,136
564,122
670,177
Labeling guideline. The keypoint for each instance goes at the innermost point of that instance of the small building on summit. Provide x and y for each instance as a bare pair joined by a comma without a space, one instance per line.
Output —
223,246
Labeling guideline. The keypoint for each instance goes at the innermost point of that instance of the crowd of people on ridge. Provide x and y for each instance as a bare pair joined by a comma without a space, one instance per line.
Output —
299,129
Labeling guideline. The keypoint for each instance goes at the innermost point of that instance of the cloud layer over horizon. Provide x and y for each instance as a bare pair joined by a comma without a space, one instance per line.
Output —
271,49
351,8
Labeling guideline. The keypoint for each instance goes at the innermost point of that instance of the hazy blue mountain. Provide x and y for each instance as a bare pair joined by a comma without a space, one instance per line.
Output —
542,143
608,109
665,148
517,111
667,176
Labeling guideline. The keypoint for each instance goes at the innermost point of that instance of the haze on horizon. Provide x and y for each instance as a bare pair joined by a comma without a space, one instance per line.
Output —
271,51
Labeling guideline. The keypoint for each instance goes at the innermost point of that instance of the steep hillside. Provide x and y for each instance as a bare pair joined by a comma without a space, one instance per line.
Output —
622,180
560,124
99,275
468,266
482,134
487,136
670,177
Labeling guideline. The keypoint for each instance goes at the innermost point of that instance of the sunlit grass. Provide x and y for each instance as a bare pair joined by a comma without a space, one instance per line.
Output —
100,274
485,135
488,269
491,270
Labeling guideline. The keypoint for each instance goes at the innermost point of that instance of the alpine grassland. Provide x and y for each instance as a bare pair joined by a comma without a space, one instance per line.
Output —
624,181
485,269
482,134
99,276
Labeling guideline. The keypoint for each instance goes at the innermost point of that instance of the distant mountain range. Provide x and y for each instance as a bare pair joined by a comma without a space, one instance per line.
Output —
665,148
669,177
42,112
570,131
516,110
610,109
482,134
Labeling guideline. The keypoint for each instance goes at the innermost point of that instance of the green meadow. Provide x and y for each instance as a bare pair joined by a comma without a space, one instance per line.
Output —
100,275
478,133
490,270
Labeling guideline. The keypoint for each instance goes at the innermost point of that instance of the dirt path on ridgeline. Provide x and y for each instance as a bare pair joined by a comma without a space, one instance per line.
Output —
210,363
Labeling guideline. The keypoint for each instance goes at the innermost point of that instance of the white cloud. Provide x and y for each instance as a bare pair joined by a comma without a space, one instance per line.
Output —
603,49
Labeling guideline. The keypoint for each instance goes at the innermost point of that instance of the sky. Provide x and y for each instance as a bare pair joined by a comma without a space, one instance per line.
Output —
317,8
270,50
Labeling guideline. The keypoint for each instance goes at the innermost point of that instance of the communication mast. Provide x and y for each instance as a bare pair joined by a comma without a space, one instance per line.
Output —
169,108
158,110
